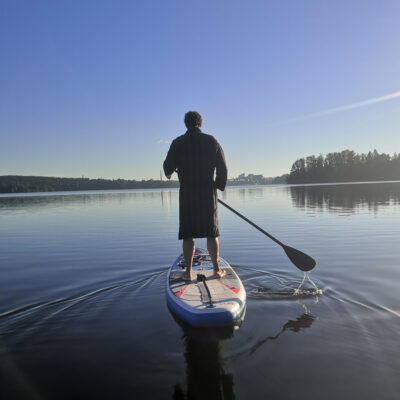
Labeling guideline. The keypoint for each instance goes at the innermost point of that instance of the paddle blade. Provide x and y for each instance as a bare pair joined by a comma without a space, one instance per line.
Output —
299,259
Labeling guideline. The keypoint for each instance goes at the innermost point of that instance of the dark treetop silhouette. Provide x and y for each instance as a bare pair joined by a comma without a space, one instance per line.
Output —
346,166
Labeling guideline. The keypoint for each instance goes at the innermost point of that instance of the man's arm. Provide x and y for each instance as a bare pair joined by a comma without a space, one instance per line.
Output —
221,170
170,161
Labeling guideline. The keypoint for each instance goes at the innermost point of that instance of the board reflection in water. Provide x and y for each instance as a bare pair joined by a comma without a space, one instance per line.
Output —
206,377
205,374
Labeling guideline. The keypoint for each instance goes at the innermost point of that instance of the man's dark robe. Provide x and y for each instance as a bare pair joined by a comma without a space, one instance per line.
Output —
196,156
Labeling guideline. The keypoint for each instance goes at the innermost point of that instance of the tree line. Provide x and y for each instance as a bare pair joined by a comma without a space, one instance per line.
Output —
24,184
345,166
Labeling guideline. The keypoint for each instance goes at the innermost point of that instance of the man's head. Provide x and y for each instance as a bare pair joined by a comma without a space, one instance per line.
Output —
193,119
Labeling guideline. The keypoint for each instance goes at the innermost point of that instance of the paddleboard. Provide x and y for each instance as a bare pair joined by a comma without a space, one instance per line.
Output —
208,300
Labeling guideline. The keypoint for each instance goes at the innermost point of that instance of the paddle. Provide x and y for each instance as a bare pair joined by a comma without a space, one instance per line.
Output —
301,260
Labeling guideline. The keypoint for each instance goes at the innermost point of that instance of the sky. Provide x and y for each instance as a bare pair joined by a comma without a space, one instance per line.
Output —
100,88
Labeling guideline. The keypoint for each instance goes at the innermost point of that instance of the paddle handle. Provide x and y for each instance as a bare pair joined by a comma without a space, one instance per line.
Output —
251,223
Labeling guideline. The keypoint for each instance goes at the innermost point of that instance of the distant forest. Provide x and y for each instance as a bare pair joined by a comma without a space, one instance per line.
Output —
26,184
23,184
346,166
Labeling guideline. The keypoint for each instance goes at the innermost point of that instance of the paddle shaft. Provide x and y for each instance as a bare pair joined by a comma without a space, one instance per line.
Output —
251,223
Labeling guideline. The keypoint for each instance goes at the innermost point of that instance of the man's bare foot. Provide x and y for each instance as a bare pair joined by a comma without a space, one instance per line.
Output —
187,276
219,273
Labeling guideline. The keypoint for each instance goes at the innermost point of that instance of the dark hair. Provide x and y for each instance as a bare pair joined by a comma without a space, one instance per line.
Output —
192,119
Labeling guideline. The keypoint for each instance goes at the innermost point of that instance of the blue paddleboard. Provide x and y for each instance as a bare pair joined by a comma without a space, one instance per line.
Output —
207,300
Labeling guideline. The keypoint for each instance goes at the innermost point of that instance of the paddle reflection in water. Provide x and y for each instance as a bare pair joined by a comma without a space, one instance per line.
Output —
304,321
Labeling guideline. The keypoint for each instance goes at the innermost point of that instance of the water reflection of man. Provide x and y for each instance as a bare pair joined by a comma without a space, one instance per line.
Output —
206,378
196,156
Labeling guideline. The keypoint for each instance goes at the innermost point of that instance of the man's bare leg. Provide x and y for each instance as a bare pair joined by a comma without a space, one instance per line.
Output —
213,250
188,253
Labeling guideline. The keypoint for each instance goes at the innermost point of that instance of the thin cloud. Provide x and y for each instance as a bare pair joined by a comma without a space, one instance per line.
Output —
162,141
347,107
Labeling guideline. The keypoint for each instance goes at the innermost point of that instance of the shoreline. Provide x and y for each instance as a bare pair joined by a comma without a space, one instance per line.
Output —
175,189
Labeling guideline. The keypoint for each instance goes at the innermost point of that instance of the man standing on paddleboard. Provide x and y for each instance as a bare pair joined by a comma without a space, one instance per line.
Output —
195,156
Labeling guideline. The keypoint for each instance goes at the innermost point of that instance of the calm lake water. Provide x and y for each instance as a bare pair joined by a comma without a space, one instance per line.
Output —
83,311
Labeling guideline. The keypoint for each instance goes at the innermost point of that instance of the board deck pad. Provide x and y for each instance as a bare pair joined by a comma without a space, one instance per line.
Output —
191,301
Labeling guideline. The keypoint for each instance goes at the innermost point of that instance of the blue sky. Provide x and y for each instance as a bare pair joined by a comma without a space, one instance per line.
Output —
97,88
